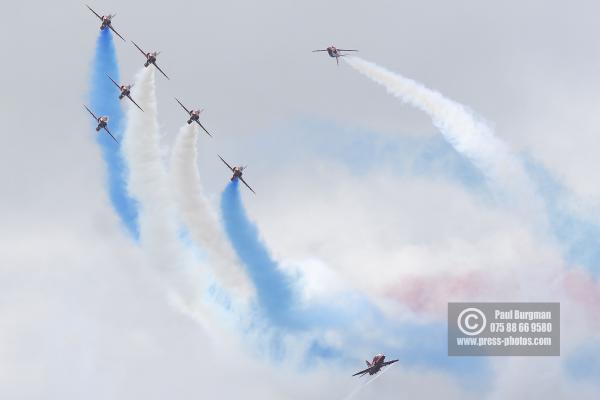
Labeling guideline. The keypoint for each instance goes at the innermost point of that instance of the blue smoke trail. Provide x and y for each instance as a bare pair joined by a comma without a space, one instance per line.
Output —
275,292
278,299
104,101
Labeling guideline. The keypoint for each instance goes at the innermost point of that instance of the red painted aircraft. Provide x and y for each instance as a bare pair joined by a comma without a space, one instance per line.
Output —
125,91
106,21
150,58
375,365
102,123
334,52
194,116
237,173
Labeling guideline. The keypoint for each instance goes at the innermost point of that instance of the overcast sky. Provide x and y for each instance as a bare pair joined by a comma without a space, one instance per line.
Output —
351,183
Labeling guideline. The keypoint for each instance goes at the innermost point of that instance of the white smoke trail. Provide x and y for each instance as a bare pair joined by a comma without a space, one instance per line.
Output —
467,133
148,185
198,215
364,384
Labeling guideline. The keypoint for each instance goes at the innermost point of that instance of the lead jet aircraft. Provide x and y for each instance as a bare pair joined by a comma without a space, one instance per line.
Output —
102,123
150,59
334,52
375,365
125,91
194,116
237,173
106,21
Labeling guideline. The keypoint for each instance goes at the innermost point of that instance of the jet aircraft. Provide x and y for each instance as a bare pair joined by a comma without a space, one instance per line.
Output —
194,116
125,91
237,173
375,365
150,58
334,52
106,21
102,123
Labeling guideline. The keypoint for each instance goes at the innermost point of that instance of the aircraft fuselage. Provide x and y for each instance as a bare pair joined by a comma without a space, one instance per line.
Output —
194,116
376,364
124,92
151,59
105,23
237,173
102,122
333,52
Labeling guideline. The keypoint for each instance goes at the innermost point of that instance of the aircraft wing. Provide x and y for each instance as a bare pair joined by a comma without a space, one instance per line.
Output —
116,33
388,363
111,135
248,186
346,50
188,111
94,12
138,47
314,51
228,166
202,126
90,111
364,371
133,101
161,71
113,81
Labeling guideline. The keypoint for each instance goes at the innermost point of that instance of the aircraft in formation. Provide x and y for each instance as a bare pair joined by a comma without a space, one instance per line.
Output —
194,116
106,21
125,91
102,123
378,361
375,365
150,58
237,173
334,52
